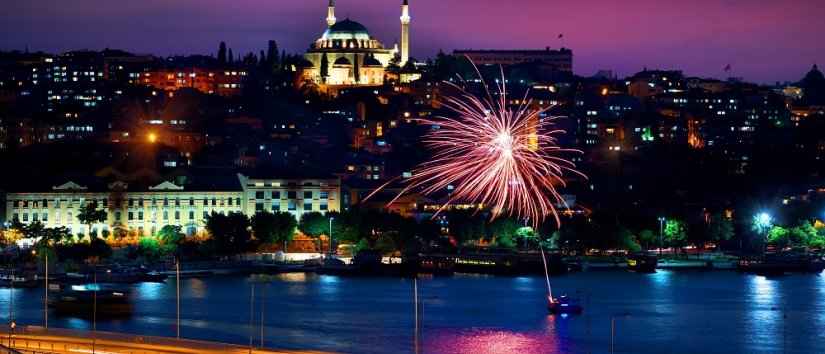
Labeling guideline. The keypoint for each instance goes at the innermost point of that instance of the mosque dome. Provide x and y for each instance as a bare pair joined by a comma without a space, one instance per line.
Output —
371,61
347,29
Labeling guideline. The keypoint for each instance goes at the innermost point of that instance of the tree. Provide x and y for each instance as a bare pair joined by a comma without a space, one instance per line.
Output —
272,55
779,236
803,234
171,236
222,53
314,224
274,227
647,237
324,67
229,233
503,230
675,233
466,225
89,215
720,228
627,241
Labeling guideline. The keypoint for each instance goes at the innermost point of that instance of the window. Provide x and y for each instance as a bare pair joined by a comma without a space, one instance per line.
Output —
45,217
324,207
130,215
140,215
25,217
214,202
308,206
177,202
276,206
276,194
177,214
117,216
165,202
259,195
16,203
238,201
165,215
35,217
131,202
307,194
290,205
292,194
205,214
191,215
229,200
191,201
15,217
45,203
259,207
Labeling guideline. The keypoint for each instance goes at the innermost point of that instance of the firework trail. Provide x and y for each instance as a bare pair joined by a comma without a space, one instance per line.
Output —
505,158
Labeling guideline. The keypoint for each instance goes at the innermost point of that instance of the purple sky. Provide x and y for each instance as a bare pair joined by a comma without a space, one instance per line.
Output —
763,40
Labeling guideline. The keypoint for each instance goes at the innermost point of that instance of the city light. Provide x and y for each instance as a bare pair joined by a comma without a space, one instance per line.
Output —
152,138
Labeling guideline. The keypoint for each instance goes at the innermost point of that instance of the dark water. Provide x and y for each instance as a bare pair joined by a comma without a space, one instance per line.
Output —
666,312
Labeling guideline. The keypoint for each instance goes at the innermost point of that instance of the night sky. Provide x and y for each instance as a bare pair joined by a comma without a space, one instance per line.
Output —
763,40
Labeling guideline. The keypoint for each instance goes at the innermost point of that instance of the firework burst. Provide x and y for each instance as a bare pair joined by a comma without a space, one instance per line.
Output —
507,159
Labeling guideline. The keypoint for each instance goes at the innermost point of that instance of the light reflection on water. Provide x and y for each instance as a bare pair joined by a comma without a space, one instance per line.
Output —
705,312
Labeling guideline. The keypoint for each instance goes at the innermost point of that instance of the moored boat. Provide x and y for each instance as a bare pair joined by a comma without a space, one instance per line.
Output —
86,300
642,262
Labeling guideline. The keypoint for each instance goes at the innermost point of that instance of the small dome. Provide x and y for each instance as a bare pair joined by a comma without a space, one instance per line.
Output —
371,61
303,63
347,29
342,61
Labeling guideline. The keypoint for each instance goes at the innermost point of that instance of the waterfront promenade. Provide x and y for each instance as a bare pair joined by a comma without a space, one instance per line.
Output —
37,340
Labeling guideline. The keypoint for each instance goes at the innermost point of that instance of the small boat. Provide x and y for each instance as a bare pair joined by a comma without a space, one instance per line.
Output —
642,263
563,304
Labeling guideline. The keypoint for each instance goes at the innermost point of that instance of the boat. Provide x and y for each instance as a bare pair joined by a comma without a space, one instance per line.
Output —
642,262
18,281
563,305
118,275
781,263
87,300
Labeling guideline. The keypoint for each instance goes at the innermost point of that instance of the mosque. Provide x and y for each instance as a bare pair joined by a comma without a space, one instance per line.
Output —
347,55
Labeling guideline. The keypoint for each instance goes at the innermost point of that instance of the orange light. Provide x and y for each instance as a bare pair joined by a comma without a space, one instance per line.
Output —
152,138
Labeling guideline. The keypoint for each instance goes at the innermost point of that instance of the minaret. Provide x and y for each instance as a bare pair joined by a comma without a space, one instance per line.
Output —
405,32
331,13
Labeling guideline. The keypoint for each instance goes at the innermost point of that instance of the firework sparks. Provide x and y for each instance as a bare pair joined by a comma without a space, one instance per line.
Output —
505,158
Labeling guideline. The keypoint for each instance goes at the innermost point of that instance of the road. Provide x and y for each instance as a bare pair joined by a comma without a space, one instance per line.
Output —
37,340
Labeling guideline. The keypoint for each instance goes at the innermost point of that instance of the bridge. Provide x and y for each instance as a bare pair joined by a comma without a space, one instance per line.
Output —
39,340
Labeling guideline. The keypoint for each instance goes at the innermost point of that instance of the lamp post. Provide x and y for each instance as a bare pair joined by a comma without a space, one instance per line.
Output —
661,231
330,235
763,222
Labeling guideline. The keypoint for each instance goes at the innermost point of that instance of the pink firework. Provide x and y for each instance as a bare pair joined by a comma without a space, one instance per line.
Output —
507,159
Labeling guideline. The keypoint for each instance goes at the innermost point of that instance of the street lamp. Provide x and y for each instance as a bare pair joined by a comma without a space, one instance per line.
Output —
330,235
762,223
661,231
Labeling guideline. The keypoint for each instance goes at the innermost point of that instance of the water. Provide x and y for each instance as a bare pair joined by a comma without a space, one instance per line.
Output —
666,312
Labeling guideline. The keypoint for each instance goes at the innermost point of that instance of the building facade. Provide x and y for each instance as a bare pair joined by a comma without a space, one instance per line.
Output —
559,60
139,211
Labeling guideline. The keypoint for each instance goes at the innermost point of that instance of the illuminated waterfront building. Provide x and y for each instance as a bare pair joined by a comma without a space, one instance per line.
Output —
141,210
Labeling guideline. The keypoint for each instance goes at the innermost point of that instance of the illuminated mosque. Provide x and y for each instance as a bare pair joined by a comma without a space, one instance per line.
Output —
347,55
